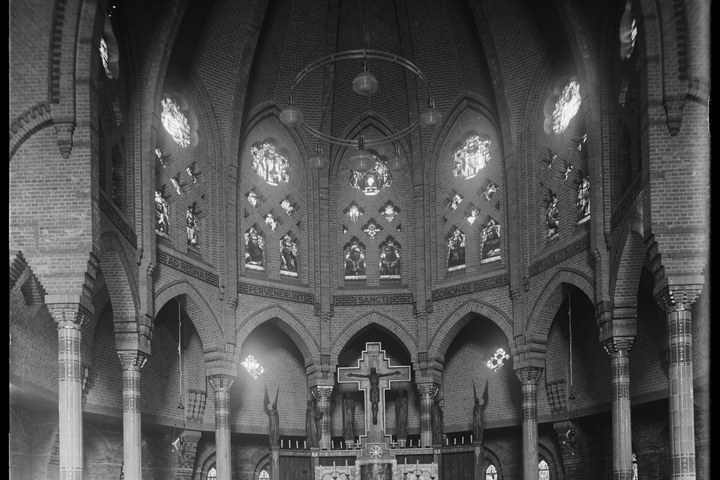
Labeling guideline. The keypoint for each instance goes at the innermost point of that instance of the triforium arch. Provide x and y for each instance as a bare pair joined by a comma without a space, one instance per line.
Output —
396,329
207,326
286,322
552,295
454,323
117,271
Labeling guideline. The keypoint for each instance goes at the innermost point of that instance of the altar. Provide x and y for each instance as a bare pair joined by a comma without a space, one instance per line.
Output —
376,455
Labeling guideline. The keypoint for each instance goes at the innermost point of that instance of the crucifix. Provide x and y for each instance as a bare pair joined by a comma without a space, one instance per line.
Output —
374,374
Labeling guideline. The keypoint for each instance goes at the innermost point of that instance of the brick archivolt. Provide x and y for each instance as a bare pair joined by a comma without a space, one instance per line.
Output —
284,320
403,335
207,326
457,320
551,296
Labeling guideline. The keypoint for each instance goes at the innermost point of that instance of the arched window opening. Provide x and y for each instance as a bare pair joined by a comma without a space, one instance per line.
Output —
264,475
212,474
491,472
543,470
566,106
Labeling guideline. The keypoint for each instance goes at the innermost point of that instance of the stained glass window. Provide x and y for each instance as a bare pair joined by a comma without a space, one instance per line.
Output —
192,226
390,259
105,57
212,474
456,251
264,475
161,215
270,164
288,256
252,366
175,122
254,250
543,470
471,157
354,260
497,360
491,472
635,475
583,199
372,181
566,106
490,242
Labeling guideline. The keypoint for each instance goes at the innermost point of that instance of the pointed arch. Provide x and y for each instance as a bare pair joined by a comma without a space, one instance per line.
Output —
404,336
286,322
552,295
454,322
207,325
117,272
626,278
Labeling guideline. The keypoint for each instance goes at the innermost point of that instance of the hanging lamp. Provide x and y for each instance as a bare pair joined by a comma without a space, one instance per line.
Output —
361,160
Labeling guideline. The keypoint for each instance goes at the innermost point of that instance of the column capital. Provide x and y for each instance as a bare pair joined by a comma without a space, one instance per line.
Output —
221,383
322,391
529,375
69,314
428,388
676,296
618,345
132,359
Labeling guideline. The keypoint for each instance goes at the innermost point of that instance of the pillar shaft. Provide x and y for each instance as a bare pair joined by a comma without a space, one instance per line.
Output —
132,363
221,385
322,394
69,319
427,395
680,374
618,349
528,377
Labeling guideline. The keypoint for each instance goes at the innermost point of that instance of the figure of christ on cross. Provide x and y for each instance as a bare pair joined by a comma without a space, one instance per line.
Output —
372,369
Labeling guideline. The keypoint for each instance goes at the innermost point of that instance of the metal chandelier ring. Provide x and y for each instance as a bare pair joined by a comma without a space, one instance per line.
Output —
361,55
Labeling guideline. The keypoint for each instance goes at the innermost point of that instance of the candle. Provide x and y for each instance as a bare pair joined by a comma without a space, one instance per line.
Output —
333,464
455,441
471,438
346,462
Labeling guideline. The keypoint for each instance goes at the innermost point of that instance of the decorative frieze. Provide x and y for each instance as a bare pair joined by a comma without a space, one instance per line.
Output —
187,268
276,293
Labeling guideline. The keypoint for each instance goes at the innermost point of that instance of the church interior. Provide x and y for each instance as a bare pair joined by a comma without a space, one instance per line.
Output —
359,240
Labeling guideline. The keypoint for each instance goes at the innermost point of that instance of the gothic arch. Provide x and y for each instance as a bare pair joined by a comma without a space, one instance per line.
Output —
624,289
454,322
117,272
404,336
207,326
284,320
552,295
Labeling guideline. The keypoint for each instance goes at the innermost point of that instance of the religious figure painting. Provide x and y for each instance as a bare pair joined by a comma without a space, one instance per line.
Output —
254,250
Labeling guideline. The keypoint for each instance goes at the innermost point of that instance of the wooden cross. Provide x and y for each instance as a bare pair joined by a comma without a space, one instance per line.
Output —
374,374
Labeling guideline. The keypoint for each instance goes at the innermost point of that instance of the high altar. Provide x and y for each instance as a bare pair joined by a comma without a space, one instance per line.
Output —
375,453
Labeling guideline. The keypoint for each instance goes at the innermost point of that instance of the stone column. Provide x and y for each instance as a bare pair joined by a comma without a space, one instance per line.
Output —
677,303
528,377
70,317
427,394
132,362
322,393
618,348
221,385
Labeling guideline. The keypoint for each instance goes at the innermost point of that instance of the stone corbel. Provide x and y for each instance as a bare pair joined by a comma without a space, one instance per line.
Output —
65,132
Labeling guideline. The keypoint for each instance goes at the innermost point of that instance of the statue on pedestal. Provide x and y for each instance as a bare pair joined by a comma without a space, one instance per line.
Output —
273,418
348,418
312,419
401,414
478,414
436,418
